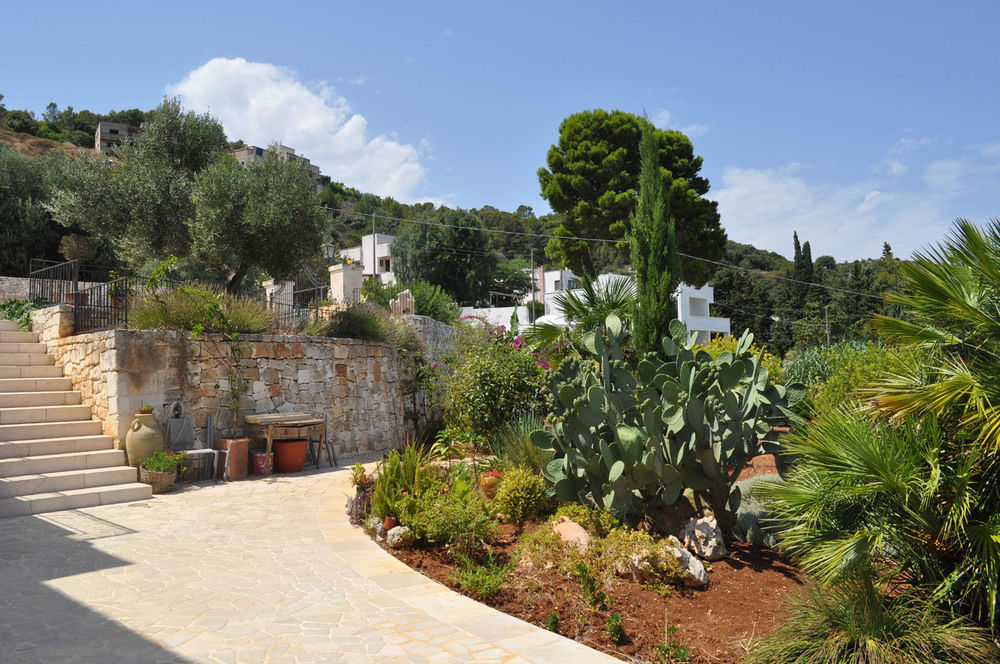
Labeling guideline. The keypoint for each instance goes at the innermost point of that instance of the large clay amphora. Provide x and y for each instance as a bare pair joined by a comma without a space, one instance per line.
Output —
143,438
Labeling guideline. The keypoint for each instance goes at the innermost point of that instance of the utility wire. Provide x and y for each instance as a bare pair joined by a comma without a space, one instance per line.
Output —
603,240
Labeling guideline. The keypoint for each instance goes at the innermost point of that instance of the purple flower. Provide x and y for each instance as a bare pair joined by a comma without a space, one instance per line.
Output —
435,365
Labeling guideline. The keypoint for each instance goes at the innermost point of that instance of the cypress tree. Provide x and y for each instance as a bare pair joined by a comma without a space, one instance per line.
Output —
654,250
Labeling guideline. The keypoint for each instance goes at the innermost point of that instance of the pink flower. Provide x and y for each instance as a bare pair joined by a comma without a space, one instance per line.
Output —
435,365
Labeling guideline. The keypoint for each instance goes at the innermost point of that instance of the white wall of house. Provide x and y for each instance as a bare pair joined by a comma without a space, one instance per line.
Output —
693,310
498,315
383,256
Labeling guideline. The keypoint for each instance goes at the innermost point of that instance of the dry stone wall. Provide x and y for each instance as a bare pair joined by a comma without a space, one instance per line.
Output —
362,387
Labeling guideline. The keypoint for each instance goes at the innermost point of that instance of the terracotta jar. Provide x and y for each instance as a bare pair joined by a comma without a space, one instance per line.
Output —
143,438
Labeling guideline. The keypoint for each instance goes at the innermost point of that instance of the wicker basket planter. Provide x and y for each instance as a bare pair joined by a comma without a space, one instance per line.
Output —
161,482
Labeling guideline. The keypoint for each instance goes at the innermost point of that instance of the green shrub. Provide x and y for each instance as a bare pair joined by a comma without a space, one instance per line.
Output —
455,444
513,448
853,623
491,387
613,628
450,518
552,622
543,548
200,310
810,367
428,299
20,311
609,555
401,478
597,522
482,581
372,322
521,495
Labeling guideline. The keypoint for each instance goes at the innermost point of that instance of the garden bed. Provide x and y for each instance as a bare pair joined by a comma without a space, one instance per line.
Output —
742,602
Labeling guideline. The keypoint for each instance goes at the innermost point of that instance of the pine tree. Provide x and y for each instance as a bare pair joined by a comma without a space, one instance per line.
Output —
654,251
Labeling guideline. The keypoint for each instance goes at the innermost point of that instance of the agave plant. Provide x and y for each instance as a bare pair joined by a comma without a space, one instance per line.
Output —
952,295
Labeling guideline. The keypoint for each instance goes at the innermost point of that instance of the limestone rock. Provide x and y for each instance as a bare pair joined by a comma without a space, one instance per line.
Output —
703,537
695,575
399,537
572,532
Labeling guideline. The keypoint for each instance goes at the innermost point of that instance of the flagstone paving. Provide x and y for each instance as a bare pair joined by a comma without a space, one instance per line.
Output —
261,570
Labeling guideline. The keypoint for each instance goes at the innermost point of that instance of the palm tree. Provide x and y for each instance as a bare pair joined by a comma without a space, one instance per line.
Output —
905,507
952,294
586,310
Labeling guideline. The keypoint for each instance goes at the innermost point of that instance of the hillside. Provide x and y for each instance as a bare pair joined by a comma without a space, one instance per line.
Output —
33,146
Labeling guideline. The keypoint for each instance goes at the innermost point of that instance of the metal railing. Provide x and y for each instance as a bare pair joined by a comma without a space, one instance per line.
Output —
56,283
305,306
103,306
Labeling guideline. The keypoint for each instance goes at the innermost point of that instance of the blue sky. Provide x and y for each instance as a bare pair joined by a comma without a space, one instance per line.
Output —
854,123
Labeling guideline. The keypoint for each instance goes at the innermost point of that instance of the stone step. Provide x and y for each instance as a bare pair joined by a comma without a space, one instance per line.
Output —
40,446
18,337
74,499
9,325
24,359
54,463
38,414
54,398
22,346
57,384
66,480
10,432
42,371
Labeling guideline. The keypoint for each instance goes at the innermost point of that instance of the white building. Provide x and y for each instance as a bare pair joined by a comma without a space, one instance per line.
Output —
693,310
374,250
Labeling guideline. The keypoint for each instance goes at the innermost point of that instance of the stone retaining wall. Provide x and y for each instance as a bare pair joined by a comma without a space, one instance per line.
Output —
362,387
13,288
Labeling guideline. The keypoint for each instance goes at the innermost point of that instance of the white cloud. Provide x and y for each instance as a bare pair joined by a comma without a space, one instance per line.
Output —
848,221
990,150
361,79
661,118
262,103
892,168
695,130
908,145
944,175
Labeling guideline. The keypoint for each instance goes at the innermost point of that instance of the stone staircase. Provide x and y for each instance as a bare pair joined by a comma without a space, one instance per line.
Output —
53,456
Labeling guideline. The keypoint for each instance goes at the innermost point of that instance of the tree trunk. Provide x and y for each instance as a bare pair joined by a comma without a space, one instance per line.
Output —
236,280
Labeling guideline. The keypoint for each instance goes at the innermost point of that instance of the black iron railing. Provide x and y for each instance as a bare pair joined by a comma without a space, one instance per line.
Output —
53,282
295,310
103,306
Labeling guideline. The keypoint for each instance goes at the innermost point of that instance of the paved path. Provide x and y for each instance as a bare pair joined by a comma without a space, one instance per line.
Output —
262,570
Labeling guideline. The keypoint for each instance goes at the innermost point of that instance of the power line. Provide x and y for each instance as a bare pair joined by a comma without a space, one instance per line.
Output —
607,241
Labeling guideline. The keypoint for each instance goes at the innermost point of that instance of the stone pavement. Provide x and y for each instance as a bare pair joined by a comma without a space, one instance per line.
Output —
261,570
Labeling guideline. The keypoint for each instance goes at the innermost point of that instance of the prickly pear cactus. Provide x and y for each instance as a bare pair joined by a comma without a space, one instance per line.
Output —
631,443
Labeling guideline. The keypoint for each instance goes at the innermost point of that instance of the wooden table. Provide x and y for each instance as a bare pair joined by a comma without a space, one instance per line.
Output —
292,426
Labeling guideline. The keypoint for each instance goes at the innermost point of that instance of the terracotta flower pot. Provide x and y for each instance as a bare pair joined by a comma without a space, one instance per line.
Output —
290,455
489,485
389,523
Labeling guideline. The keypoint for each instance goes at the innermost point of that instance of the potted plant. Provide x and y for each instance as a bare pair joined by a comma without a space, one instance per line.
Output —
143,437
159,470
238,446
